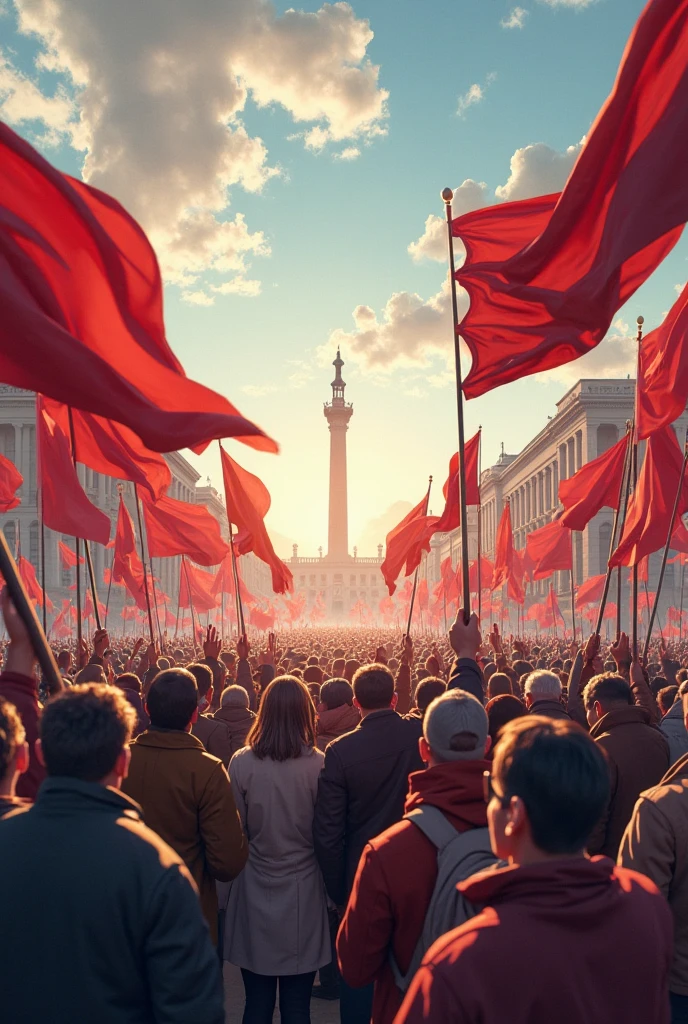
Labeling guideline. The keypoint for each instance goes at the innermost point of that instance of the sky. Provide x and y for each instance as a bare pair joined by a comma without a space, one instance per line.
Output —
287,164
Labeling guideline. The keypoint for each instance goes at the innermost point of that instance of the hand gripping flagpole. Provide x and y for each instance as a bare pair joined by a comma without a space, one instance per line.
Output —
665,555
415,578
447,197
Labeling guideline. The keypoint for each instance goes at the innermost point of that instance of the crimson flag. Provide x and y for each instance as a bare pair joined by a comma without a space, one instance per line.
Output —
591,591
648,517
451,517
31,584
504,550
486,574
543,298
553,604
406,543
248,501
10,482
68,557
82,303
127,567
224,582
663,371
195,588
262,620
87,612
550,549
596,485
179,528
66,509
423,595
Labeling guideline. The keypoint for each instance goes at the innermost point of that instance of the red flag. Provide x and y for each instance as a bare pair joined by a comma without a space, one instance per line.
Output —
544,297
179,528
422,595
262,620
10,482
113,449
248,501
66,509
553,604
591,591
596,485
486,574
87,611
663,371
504,550
649,511
406,543
224,582
550,549
127,567
68,557
31,584
450,518
195,588
82,322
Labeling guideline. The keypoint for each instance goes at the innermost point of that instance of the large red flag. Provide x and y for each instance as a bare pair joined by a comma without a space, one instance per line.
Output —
486,574
550,549
406,543
262,620
543,298
450,518
590,592
82,310
10,482
596,485
423,595
66,509
553,604
504,550
248,500
113,449
31,584
649,511
663,371
127,567
179,528
196,588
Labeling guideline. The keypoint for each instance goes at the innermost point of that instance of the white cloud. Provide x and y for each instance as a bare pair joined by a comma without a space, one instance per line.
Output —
198,298
568,3
615,356
475,94
22,103
239,286
432,244
515,19
350,153
258,390
678,288
154,93
537,170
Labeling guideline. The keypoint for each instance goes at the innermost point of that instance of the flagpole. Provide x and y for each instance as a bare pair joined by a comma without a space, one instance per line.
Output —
235,570
447,197
640,321
188,586
623,489
143,563
665,553
573,597
680,610
87,550
415,578
480,538
45,610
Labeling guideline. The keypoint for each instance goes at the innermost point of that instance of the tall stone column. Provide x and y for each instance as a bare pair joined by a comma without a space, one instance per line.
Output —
338,414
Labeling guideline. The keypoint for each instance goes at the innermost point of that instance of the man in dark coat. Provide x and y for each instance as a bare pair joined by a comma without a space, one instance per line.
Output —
102,918
543,695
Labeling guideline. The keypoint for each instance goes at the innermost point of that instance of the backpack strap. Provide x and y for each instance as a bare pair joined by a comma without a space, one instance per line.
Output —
433,824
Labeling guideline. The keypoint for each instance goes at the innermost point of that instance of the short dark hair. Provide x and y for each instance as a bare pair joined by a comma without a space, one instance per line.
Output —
561,776
12,735
128,681
203,676
666,698
335,693
172,699
373,686
427,690
499,683
607,688
84,729
90,674
313,674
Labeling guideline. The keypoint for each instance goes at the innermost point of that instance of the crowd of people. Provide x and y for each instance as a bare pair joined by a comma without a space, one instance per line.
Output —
464,828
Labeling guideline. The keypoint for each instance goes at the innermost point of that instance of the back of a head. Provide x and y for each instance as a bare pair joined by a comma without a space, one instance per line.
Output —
234,697
228,659
499,682
658,683
172,699
203,676
90,674
666,698
338,667
489,669
543,685
455,727
521,667
83,731
373,686
502,709
335,693
609,689
64,660
12,735
561,776
128,681
313,674
427,690
351,668
286,721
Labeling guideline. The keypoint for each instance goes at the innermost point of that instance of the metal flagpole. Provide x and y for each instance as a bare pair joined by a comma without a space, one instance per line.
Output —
87,550
415,578
188,586
623,491
680,610
447,197
480,538
143,563
634,611
573,597
45,610
235,569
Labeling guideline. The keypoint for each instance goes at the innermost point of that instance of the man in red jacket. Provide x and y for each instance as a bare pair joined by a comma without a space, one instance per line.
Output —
398,869
558,936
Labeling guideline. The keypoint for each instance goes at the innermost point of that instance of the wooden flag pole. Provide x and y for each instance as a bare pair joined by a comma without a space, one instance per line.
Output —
235,569
87,550
447,197
480,539
623,490
573,597
45,610
680,610
665,553
188,587
634,611
415,578
143,563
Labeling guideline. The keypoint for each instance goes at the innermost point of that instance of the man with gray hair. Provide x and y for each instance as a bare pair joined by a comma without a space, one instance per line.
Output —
543,695
386,917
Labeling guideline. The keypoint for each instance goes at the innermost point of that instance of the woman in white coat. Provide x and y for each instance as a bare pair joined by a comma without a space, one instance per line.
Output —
276,927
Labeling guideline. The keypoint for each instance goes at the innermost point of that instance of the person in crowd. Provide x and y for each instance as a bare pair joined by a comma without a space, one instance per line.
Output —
14,758
425,693
361,792
213,733
637,752
498,683
381,936
184,791
276,921
130,685
665,698
500,710
674,727
234,712
243,671
106,924
465,641
336,711
542,695
552,917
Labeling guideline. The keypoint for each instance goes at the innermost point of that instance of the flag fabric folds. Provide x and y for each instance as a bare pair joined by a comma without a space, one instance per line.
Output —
179,528
406,543
486,574
82,302
596,485
67,556
247,500
451,517
507,565
66,509
10,482
127,567
663,371
196,588
544,296
591,591
550,549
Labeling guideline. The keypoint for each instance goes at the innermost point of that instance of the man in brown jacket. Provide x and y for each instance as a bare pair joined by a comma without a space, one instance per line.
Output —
213,734
185,792
655,843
